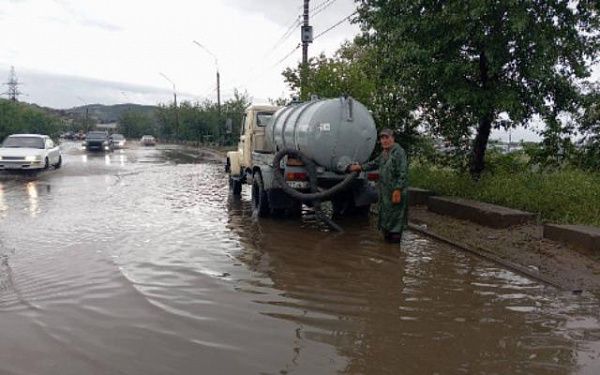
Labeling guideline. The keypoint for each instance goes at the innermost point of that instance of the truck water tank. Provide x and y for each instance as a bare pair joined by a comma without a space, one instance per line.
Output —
332,132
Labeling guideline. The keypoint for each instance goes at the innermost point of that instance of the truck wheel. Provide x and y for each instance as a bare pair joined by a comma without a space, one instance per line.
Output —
235,186
295,210
260,201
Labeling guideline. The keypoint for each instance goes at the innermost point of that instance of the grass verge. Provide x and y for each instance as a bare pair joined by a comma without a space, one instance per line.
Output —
563,196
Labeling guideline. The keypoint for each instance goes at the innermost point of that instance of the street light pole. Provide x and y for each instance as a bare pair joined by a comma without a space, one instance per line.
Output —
218,75
86,113
174,104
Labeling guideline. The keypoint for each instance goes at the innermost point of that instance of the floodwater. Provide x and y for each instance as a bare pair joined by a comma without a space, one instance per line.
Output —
138,262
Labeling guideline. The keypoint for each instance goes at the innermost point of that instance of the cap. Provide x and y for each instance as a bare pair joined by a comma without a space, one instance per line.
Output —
386,131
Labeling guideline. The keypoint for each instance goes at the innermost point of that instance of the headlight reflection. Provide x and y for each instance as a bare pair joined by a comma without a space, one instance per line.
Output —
3,206
33,198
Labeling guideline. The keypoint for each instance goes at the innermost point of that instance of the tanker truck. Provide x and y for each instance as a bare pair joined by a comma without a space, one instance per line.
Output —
298,154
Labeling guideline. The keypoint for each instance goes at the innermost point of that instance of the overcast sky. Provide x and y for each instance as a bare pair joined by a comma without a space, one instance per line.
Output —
129,42
70,52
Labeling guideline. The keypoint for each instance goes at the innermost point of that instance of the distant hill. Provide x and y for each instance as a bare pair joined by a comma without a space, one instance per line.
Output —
108,113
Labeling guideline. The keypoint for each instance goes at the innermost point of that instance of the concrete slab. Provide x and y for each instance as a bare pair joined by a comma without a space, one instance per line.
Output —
581,236
478,212
418,196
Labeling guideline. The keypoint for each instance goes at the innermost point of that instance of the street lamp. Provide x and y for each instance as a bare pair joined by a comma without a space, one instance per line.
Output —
174,104
86,113
218,75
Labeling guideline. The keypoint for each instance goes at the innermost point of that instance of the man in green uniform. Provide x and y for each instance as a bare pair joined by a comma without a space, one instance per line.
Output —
393,186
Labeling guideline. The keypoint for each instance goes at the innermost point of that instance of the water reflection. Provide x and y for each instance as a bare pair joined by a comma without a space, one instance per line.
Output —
32,193
391,310
3,206
107,159
84,158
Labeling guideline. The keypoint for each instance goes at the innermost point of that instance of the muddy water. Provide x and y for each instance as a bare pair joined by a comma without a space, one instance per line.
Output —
140,263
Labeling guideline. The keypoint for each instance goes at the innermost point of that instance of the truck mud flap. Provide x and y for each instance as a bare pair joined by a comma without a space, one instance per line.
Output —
278,199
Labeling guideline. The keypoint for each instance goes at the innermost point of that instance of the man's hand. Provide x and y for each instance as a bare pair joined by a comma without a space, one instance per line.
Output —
396,197
354,168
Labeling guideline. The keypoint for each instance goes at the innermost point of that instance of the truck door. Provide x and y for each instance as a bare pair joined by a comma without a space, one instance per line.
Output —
261,121
247,139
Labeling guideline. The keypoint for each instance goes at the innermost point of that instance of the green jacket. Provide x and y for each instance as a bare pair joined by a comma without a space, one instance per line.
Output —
393,175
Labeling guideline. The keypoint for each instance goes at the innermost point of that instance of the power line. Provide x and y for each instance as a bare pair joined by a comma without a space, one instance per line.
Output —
335,25
288,33
326,4
320,5
288,55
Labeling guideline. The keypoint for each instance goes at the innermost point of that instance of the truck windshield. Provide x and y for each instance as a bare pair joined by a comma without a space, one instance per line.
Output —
263,118
96,135
23,142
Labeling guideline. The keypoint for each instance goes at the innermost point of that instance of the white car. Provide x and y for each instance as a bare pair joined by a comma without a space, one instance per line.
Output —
118,140
148,140
29,151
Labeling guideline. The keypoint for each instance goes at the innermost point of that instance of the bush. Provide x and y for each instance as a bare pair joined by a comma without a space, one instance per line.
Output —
566,196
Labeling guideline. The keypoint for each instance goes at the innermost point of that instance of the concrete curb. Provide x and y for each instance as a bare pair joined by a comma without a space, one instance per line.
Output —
486,214
418,196
580,236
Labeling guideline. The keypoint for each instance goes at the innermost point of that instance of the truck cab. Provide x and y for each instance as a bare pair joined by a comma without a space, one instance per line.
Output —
252,139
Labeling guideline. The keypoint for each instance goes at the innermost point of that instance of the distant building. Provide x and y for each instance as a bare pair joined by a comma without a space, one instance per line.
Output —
110,126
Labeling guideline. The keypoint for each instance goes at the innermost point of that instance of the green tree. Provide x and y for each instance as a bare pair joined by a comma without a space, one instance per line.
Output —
355,71
18,117
134,124
464,63
590,129
202,121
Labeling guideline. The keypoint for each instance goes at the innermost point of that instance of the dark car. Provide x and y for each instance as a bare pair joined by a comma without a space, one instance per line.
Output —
98,141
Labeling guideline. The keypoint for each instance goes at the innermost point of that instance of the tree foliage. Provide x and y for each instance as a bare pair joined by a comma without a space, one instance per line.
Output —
18,117
590,128
465,63
353,71
134,124
201,121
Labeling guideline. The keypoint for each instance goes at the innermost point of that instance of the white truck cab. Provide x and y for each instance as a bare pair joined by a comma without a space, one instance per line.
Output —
252,138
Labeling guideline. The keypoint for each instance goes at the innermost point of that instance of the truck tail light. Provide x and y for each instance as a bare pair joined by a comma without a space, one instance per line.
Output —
296,176
294,162
373,176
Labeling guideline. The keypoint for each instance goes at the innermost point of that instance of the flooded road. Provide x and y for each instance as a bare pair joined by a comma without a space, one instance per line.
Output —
139,262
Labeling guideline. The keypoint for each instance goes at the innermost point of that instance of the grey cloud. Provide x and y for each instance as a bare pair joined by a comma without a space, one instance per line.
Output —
62,91
284,12
84,19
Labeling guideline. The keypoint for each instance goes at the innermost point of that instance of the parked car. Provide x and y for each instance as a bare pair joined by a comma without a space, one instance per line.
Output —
98,141
118,140
29,152
148,140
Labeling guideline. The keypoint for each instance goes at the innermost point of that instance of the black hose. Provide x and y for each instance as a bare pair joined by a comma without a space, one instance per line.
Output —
312,178
314,196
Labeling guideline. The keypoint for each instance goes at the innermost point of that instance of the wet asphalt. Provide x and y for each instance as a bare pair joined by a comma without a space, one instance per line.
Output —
140,262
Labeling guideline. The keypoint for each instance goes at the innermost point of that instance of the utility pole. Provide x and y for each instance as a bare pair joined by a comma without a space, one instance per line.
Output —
175,105
218,74
13,86
87,109
306,39
218,92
